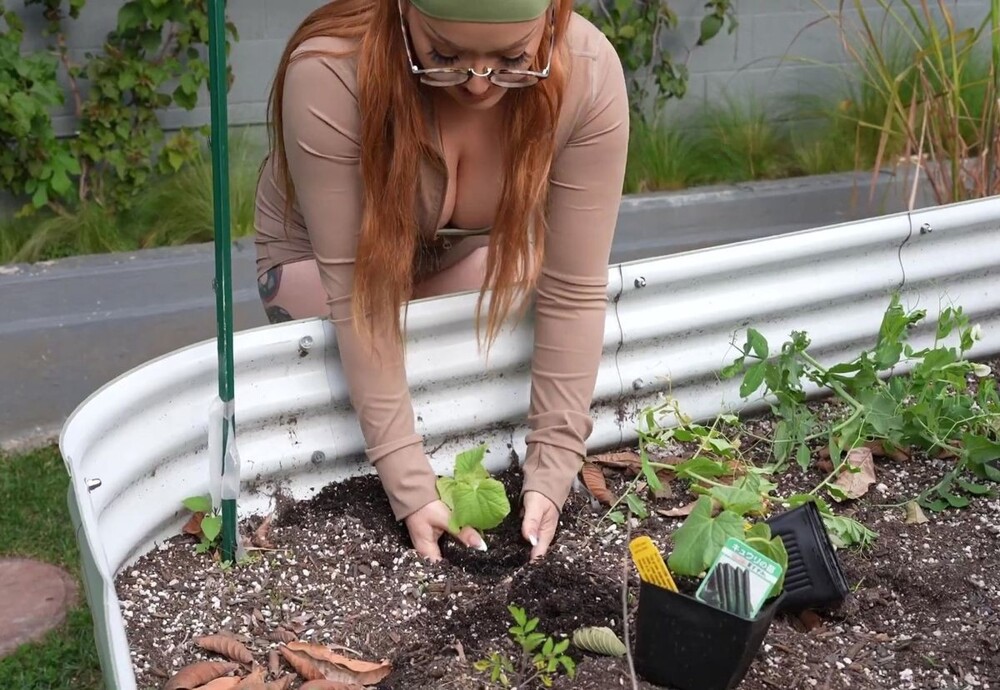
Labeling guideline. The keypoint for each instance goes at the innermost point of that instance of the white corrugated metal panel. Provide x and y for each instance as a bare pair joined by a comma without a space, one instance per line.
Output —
669,323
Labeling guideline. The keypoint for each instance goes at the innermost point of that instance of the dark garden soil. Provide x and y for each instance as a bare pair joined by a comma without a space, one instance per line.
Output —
925,611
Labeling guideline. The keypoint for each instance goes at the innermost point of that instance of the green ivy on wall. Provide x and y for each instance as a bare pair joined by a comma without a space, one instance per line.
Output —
151,61
636,28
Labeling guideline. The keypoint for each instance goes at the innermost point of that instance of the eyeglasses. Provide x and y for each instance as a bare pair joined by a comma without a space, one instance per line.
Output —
455,76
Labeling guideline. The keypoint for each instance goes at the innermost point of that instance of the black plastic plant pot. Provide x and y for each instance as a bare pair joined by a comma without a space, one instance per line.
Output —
686,644
814,579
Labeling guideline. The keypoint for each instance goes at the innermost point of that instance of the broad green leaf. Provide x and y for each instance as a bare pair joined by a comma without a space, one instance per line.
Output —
469,464
760,539
482,506
60,182
129,16
446,488
569,665
198,504
40,197
518,614
617,517
757,343
954,500
987,471
636,505
781,448
845,531
937,504
649,472
699,540
684,435
845,368
700,466
211,526
721,445
980,450
710,26
973,488
803,457
743,498
752,379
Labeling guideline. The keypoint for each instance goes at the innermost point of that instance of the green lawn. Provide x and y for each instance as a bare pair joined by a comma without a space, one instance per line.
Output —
34,522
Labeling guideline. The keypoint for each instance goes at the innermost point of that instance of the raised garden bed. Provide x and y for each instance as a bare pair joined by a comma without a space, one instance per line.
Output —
923,614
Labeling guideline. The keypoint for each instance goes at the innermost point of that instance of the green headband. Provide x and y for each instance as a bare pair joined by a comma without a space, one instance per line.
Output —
489,11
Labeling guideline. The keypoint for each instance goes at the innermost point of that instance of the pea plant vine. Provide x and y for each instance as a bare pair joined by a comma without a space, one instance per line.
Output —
946,406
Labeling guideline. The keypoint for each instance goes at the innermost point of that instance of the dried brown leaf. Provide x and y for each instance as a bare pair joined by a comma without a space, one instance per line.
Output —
282,635
193,525
261,535
856,484
622,460
273,662
879,450
915,514
197,674
341,668
226,646
225,683
825,465
283,683
593,477
302,664
809,620
255,681
330,685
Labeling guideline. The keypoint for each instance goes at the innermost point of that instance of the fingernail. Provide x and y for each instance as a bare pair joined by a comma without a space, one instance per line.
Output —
533,540
481,546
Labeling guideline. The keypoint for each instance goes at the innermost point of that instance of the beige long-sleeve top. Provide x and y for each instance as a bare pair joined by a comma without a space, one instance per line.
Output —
322,138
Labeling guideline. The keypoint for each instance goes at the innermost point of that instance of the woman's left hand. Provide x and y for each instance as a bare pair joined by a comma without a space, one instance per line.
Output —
538,526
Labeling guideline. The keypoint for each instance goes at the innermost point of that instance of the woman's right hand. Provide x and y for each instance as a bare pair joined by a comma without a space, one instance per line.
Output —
427,525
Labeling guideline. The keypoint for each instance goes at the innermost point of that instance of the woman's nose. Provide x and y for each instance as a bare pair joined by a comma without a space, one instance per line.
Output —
476,85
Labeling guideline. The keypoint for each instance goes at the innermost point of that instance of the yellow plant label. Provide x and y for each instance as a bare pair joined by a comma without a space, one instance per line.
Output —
649,563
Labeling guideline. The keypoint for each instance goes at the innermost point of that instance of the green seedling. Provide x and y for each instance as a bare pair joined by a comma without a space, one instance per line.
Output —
540,658
476,500
699,540
205,524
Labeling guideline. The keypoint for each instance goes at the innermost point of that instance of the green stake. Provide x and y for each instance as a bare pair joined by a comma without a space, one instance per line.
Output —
223,262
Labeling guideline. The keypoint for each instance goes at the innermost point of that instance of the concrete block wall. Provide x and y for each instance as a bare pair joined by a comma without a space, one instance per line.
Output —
780,47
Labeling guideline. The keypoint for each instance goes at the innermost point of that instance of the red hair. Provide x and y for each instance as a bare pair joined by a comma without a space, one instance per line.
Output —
393,141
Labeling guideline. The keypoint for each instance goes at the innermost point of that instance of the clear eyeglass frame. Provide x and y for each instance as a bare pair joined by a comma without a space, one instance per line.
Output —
456,76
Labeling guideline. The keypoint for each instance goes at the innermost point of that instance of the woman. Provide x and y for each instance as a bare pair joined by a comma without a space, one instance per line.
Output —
423,147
